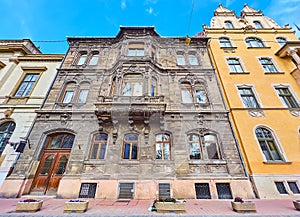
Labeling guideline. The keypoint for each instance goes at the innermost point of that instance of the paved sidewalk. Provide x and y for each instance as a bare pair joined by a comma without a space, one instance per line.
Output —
99,207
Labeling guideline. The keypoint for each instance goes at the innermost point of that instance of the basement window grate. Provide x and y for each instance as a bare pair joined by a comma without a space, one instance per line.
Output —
164,190
224,191
87,190
280,187
294,187
202,191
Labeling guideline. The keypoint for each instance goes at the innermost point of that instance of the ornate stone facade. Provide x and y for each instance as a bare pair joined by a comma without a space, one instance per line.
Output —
143,112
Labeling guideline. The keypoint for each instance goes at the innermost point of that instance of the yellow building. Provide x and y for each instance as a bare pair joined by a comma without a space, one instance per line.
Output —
257,63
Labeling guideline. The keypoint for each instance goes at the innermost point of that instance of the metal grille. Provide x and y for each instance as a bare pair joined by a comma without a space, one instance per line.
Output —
280,187
126,190
294,188
224,191
87,190
164,190
202,191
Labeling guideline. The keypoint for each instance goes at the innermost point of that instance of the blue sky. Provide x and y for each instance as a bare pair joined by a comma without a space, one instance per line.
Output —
45,20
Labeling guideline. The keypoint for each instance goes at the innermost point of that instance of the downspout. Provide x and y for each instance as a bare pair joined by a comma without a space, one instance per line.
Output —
212,61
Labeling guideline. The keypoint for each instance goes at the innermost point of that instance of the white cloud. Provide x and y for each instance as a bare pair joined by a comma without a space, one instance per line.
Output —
284,12
149,10
146,2
123,4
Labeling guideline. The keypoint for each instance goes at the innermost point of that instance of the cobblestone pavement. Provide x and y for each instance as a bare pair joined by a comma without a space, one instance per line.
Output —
99,207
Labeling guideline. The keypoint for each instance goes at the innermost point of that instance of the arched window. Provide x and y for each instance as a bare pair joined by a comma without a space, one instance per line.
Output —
6,130
228,24
94,58
133,85
60,140
257,24
194,146
212,146
254,42
130,146
83,92
267,144
196,94
163,146
281,40
99,144
225,42
69,92
82,58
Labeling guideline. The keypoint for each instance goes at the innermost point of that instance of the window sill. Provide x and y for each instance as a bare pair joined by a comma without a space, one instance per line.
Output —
270,73
232,73
277,162
258,47
207,162
128,161
228,48
95,162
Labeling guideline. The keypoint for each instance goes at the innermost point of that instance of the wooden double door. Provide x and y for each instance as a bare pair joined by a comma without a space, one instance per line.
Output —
50,171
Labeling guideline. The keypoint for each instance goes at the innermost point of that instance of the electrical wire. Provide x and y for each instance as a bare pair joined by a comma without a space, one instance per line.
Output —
190,20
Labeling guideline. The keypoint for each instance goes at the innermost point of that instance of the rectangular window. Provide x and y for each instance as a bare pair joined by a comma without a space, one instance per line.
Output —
68,96
224,191
126,190
136,52
26,85
235,65
280,187
248,98
268,65
82,59
287,98
94,59
180,60
164,190
87,190
294,187
83,96
202,191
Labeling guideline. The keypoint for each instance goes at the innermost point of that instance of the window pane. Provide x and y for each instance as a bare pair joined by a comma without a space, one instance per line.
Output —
126,151
186,96
61,165
68,96
94,59
83,96
47,165
193,60
127,90
201,96
228,24
82,59
102,151
26,85
134,151
158,151
94,151
210,142
180,60
137,89
166,151
194,151
280,187
294,187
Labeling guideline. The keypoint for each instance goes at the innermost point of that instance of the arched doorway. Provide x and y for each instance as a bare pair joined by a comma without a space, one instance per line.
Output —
53,163
6,130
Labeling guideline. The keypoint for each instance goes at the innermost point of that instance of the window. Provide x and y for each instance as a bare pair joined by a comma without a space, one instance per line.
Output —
280,187
268,65
126,190
294,187
234,65
61,140
225,42
194,145
202,191
83,92
224,191
281,40
87,190
248,98
257,24
228,24
268,145
26,85
193,95
287,98
164,190
254,42
180,59
130,147
136,49
99,146
212,147
193,60
6,130
68,93
162,146
153,90
82,58
133,85
94,58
